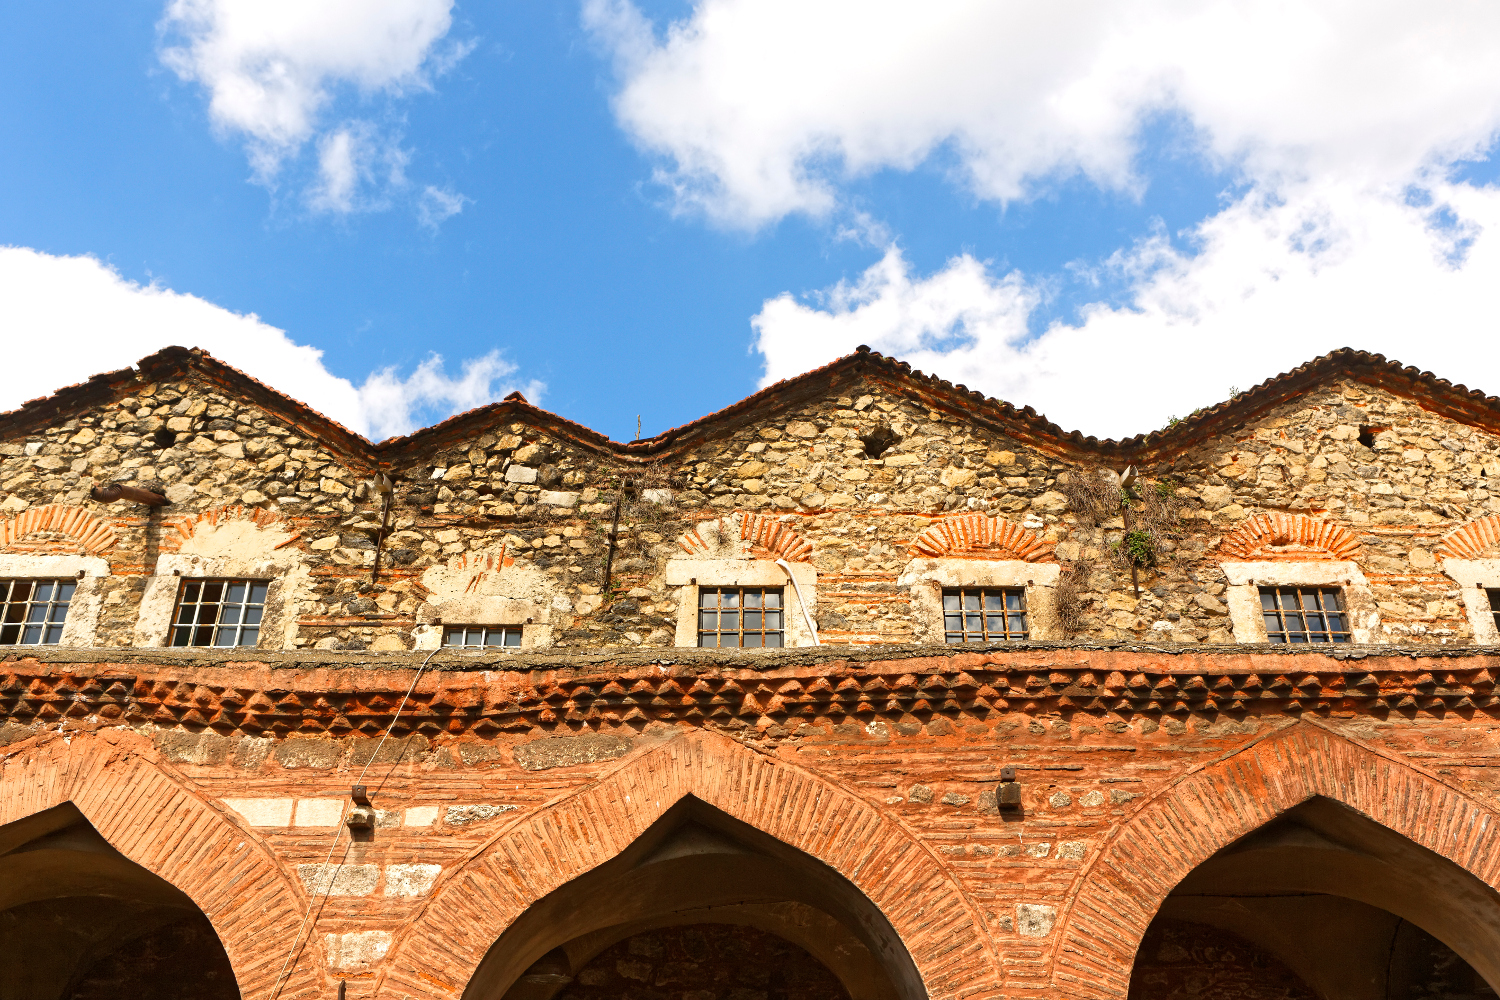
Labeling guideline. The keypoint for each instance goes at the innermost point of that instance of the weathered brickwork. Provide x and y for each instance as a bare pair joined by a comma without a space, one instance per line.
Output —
577,815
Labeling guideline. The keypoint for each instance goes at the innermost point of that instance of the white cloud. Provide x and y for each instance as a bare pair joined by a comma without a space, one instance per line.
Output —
67,318
1333,117
356,163
273,67
1275,282
761,108
438,205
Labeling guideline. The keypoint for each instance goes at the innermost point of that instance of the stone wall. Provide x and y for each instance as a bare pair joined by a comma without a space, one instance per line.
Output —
513,504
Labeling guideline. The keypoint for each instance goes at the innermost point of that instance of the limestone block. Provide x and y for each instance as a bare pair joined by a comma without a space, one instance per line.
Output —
356,949
263,812
410,880
1035,920
339,880
520,474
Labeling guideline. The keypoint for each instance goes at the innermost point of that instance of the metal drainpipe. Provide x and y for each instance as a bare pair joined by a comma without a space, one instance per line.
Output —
812,630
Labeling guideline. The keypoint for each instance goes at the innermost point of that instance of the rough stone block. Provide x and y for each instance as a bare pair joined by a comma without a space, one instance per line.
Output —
567,751
339,880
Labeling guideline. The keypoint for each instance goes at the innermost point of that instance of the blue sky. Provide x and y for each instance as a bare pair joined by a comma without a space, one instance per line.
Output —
651,210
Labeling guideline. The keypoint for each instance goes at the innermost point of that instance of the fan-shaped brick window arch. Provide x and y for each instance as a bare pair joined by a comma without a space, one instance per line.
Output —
728,564
1273,562
1471,556
56,547
977,578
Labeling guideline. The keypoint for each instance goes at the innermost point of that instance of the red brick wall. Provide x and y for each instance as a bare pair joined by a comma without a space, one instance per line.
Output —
502,785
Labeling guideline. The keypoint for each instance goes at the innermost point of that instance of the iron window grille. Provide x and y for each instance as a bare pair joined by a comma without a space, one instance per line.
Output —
984,614
482,636
740,617
1304,614
32,612
1494,595
219,613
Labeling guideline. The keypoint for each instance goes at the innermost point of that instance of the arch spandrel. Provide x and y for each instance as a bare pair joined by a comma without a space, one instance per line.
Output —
470,908
1182,825
147,815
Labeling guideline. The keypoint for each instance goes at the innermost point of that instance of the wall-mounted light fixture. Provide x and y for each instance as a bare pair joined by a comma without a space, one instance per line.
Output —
1008,795
362,816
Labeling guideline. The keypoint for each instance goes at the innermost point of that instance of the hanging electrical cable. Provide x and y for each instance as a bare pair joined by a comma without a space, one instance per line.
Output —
338,832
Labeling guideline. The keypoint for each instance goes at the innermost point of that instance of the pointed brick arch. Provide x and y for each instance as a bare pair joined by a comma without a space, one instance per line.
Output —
149,816
938,924
91,533
975,536
1182,825
1288,537
1472,540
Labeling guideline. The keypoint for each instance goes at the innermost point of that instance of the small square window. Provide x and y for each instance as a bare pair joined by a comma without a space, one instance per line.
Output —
482,636
1493,593
984,614
1304,614
219,613
32,612
740,617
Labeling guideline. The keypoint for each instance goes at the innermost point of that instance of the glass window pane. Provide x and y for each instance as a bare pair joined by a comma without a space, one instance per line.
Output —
1315,622
972,623
1297,636
1017,623
513,637
752,621
1288,600
249,636
729,621
494,637
1341,637
1277,637
752,599
258,592
36,613
225,637
971,602
728,639
995,624
752,640
31,635
729,599
953,623
43,591
236,593
53,636
231,615
773,620
773,640
707,619
1267,600
950,601
1317,637
252,615
180,636
773,598
1273,623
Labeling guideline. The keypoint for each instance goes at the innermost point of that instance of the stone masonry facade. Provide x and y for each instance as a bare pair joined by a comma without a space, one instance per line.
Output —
1149,721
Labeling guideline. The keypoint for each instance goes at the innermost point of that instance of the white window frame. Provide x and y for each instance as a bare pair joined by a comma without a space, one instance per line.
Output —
1473,577
928,578
534,620
81,627
691,574
1246,578
278,627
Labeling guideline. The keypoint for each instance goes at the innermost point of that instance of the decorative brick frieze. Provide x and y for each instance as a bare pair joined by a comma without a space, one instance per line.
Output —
253,698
